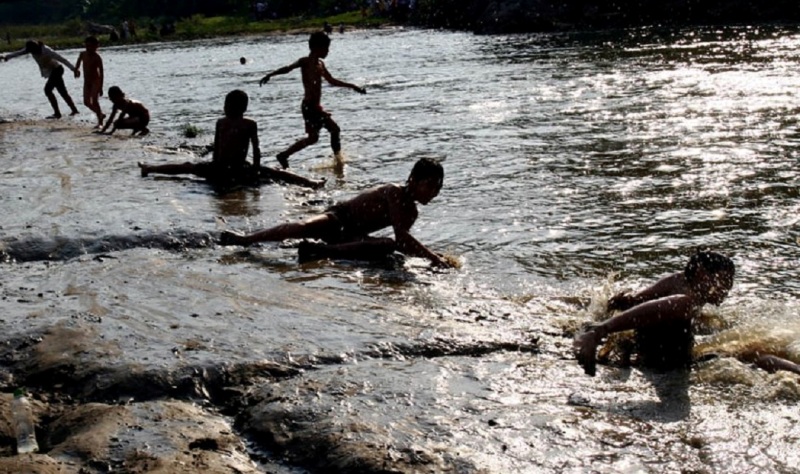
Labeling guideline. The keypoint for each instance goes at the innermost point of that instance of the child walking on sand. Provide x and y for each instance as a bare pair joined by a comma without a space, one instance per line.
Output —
48,61
345,227
313,70
92,77
233,136
133,115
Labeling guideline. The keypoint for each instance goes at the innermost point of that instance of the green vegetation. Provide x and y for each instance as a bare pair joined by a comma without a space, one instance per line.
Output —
71,33
190,131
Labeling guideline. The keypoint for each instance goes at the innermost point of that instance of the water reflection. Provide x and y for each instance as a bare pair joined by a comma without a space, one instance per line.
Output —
240,202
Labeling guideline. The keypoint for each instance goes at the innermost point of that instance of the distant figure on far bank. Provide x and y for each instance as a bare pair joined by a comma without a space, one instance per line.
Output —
233,136
48,61
313,70
133,115
92,77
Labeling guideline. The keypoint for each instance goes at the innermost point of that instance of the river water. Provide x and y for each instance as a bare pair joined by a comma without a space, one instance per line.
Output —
576,165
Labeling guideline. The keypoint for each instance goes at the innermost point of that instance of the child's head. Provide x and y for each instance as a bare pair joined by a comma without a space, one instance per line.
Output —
425,180
236,103
91,43
33,47
711,274
115,94
319,42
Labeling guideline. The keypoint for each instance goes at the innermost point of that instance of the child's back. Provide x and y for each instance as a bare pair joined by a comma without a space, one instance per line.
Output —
232,141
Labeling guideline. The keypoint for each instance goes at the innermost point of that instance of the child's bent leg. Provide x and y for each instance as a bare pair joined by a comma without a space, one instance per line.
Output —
62,90
48,91
283,157
335,131
369,249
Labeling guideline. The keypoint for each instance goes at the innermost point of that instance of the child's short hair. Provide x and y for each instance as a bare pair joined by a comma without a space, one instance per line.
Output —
712,262
236,103
34,47
427,168
319,39
92,40
115,91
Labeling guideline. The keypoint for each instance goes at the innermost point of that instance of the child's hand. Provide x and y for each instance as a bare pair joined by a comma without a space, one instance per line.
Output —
77,73
360,90
263,80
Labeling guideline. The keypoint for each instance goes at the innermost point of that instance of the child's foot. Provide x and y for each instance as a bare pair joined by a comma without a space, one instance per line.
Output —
227,237
144,169
53,117
319,184
585,349
74,112
144,131
283,159
310,251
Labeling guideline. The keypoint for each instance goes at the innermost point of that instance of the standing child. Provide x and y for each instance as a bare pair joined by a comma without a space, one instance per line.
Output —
313,70
346,226
233,136
48,61
92,77
133,115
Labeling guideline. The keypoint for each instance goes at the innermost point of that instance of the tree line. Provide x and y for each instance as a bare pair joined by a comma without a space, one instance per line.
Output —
54,11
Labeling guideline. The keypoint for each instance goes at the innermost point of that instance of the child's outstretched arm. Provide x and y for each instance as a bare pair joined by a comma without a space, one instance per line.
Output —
47,51
670,285
409,245
279,71
336,82
15,54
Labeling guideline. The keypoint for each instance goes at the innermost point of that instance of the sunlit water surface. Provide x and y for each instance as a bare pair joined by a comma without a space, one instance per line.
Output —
575,165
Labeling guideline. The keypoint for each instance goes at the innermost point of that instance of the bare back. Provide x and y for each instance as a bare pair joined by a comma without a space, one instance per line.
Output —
388,205
232,139
135,109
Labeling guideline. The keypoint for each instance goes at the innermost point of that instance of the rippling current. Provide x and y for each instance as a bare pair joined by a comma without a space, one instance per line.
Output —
575,165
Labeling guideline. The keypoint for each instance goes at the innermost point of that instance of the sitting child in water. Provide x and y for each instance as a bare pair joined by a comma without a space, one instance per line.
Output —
133,115
661,316
233,135
345,227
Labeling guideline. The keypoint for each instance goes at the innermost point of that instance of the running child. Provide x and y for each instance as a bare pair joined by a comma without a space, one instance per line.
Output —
233,136
48,61
92,77
133,115
313,70
346,226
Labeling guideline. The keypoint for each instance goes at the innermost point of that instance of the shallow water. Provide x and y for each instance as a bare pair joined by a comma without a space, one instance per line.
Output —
575,165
